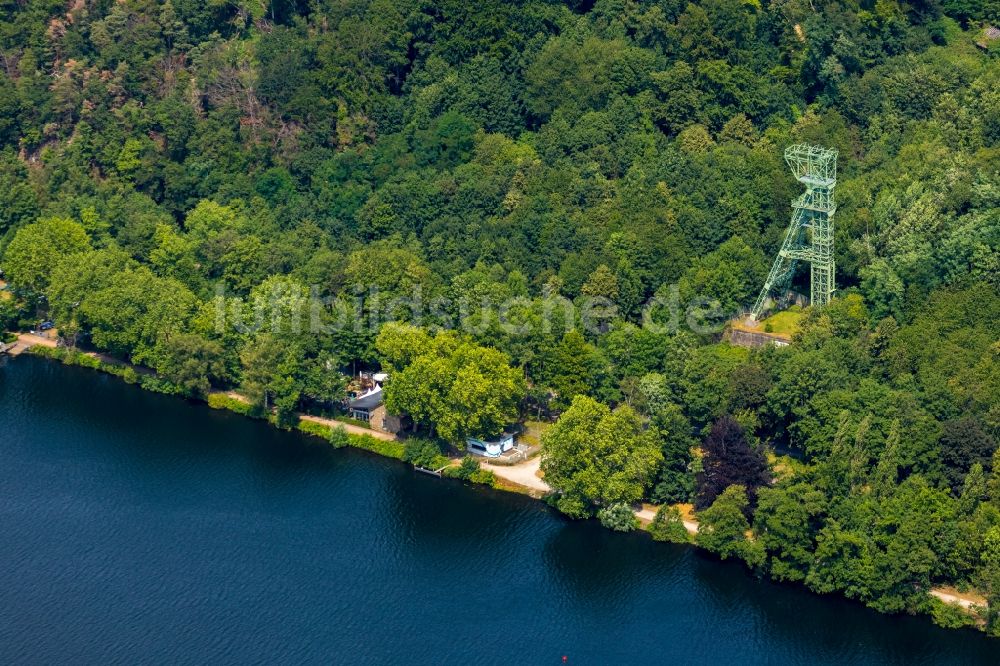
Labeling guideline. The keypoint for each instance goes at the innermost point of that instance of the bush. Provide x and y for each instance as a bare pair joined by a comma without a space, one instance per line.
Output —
484,477
159,385
223,401
668,525
313,428
469,470
724,527
339,438
73,357
465,470
950,616
618,517
57,353
673,486
424,453
387,448
355,422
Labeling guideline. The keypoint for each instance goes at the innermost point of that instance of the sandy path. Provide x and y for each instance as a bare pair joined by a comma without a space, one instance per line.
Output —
524,474
350,428
27,340
648,513
953,596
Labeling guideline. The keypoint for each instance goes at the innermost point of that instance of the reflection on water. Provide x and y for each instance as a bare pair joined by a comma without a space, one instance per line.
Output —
143,528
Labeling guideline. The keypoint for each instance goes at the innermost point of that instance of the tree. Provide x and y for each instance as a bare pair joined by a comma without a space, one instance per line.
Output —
37,248
618,517
189,361
574,368
887,472
454,387
602,283
964,442
321,380
990,576
566,72
723,528
706,381
973,489
594,457
424,453
136,307
484,394
271,368
675,481
728,461
913,532
730,275
339,437
668,525
399,345
9,312
786,522
993,483
681,100
77,275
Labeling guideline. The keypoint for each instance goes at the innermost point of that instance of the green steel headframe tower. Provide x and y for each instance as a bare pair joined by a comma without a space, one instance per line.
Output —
810,234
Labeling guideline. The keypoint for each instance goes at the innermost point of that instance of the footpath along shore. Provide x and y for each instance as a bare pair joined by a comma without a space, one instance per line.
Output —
26,341
525,478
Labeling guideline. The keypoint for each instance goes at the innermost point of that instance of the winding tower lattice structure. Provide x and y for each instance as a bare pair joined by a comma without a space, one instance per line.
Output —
810,234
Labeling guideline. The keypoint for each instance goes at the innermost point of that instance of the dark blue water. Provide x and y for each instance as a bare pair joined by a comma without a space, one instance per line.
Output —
137,528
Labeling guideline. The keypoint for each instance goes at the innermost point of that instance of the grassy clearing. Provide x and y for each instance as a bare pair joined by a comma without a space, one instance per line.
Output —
389,449
785,322
532,433
784,466
223,401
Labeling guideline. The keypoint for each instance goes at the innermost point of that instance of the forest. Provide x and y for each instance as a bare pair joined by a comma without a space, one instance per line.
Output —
281,166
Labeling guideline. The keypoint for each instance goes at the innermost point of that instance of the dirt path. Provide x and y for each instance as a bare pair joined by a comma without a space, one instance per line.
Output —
527,474
966,600
648,513
350,428
332,423
524,474
26,341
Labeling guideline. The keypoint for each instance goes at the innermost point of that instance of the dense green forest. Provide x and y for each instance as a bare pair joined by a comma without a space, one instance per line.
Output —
180,181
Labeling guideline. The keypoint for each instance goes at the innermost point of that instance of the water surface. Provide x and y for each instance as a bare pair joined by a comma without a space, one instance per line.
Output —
139,528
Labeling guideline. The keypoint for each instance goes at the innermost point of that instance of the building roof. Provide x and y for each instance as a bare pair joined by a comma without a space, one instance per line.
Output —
492,440
369,400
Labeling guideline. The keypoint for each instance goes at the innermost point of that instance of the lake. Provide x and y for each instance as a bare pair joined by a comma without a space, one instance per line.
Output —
140,528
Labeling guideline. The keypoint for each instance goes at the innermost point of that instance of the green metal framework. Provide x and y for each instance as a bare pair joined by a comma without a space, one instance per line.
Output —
810,234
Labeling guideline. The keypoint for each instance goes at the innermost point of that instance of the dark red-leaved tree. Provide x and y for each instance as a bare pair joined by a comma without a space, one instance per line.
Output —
730,459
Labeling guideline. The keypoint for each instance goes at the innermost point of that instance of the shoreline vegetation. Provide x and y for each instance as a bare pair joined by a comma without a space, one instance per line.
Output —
557,211
947,606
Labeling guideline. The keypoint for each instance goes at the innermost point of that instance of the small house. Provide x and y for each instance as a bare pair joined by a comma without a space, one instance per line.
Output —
370,407
490,448
363,406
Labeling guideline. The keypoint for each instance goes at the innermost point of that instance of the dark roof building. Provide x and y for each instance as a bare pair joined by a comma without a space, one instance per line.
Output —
363,405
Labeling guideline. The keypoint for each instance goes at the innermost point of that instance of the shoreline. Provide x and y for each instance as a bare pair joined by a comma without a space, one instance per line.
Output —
386,445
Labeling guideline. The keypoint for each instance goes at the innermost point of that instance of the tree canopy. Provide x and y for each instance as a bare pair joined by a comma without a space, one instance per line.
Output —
597,457
548,209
